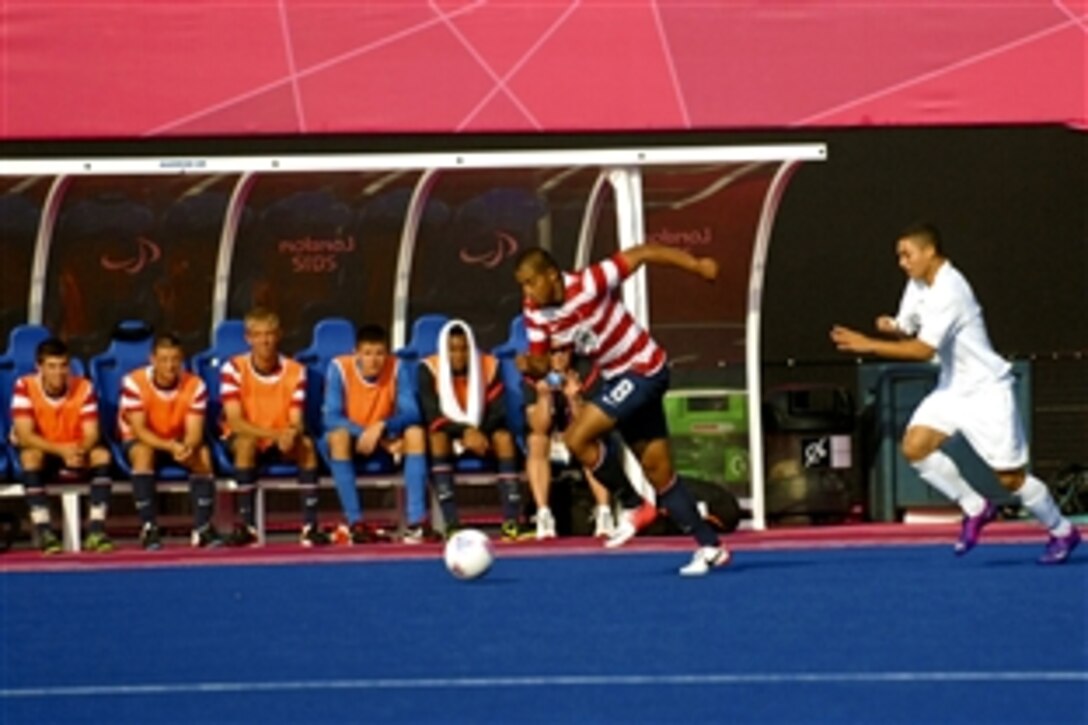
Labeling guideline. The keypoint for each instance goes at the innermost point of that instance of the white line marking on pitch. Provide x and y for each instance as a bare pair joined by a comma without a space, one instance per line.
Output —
431,683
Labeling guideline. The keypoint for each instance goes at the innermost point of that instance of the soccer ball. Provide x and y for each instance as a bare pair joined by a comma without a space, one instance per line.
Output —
468,554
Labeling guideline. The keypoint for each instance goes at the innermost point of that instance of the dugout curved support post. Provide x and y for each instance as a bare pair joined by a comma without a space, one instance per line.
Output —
589,220
413,217
227,236
35,311
753,340
631,232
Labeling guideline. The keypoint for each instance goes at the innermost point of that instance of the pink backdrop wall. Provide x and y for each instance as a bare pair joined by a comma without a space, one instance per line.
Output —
129,68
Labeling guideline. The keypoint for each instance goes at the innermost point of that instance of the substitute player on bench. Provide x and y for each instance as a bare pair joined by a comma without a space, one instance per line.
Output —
264,394
55,430
161,420
361,421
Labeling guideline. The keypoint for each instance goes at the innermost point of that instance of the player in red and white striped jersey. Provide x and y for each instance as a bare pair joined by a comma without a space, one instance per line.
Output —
592,319
584,309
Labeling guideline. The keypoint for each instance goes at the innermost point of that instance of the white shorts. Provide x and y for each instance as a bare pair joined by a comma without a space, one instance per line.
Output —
987,418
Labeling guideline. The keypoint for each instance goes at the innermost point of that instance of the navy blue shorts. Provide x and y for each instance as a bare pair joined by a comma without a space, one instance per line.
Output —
635,402
54,470
271,456
160,459
379,457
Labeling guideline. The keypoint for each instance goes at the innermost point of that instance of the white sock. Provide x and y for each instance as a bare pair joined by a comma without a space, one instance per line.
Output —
1037,499
940,472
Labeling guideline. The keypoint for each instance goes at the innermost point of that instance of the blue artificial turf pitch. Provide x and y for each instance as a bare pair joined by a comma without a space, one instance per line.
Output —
891,634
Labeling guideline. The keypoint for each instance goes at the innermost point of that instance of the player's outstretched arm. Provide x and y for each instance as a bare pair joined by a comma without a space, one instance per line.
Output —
886,325
705,267
848,340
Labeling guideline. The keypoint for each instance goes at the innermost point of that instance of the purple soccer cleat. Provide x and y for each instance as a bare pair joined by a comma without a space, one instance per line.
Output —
972,529
1058,548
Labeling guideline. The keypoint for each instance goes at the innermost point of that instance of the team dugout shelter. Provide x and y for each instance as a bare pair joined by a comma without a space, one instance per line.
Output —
185,243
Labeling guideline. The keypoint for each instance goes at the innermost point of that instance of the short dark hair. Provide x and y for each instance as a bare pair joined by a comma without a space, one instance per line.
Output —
50,347
458,331
165,339
925,232
536,257
371,333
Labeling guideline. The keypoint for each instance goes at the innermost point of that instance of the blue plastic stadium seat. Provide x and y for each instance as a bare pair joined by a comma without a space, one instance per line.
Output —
5,456
230,334
516,344
18,360
423,342
332,337
517,341
23,341
9,373
107,368
228,340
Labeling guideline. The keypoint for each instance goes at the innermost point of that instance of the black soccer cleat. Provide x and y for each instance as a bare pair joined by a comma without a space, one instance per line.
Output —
243,535
150,537
206,537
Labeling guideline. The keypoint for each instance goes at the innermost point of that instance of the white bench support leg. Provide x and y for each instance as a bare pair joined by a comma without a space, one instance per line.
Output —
69,501
259,515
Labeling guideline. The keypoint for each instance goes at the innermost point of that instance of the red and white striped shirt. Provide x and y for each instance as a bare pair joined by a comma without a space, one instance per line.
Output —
593,319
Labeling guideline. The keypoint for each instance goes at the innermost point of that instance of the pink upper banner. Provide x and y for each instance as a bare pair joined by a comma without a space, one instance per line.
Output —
147,68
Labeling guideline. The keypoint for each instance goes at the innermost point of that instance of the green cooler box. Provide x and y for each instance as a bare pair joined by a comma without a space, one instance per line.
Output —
708,433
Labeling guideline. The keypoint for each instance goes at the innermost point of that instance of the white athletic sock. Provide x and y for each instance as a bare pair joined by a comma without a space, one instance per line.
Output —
1037,499
940,472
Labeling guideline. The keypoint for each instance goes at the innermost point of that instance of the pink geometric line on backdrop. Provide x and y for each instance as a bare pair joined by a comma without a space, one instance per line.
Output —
289,50
1081,21
499,82
671,65
5,81
518,65
937,72
310,70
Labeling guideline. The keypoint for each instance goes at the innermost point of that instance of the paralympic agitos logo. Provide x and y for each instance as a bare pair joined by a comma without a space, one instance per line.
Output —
505,246
147,252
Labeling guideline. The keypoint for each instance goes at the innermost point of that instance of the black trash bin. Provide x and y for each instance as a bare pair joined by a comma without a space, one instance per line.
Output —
809,433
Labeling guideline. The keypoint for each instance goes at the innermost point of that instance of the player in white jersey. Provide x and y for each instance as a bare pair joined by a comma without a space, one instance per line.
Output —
584,309
938,315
